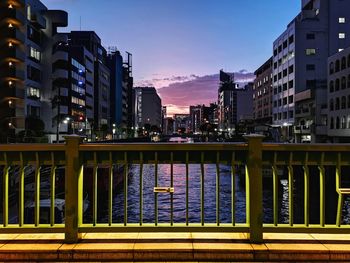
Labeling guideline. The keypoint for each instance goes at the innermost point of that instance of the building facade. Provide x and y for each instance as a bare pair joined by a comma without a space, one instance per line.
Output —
338,125
147,107
28,77
300,68
262,95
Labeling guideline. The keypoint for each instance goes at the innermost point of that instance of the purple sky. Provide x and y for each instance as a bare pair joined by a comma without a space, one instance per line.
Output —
179,40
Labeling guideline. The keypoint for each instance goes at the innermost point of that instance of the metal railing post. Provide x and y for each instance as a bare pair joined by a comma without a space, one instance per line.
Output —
73,189
254,197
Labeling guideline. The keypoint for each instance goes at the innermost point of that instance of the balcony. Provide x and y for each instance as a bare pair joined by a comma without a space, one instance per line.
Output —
14,73
13,33
60,55
16,53
302,129
60,74
15,14
302,113
38,20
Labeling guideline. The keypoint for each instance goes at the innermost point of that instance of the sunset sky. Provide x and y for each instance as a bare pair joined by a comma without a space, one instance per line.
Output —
176,41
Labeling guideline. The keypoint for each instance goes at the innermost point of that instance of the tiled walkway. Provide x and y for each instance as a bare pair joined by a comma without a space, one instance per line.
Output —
175,247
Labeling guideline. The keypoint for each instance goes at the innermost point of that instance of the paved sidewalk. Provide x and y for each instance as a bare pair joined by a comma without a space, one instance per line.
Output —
175,247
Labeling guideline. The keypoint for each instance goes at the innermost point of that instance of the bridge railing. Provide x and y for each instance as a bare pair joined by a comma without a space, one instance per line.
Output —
256,157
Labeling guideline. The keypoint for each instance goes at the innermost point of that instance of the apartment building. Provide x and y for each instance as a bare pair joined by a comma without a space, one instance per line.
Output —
147,107
30,63
262,94
338,125
300,56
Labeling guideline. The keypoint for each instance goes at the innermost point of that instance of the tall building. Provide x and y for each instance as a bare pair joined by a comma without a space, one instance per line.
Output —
147,107
28,76
182,123
300,56
262,96
196,118
338,111
227,101
91,41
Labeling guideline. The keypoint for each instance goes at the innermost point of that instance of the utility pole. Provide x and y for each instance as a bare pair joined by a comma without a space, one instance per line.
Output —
58,115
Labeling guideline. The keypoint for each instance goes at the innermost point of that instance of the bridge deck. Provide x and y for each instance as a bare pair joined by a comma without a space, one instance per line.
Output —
180,247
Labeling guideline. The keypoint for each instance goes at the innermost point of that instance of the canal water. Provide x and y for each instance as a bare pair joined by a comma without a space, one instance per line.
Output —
179,197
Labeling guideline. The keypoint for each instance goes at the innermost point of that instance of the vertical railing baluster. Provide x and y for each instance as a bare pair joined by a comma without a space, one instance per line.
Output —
322,191
291,190
52,190
218,188
187,178
172,185
141,188
233,190
338,186
6,192
275,190
126,173
37,190
21,192
306,191
94,183
110,192
202,188
155,185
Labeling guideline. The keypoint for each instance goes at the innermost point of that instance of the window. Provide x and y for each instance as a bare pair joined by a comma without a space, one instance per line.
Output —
332,123
285,86
291,69
310,67
310,51
33,92
341,20
337,84
275,103
337,124
285,73
34,53
337,66
285,44
341,35
290,98
349,102
343,102
29,12
275,52
285,102
310,36
331,86
279,103
349,82
280,49
275,65
291,84
78,101
337,104
284,115
343,83
349,61
291,39
331,68
331,105
343,63
343,122
340,49
291,114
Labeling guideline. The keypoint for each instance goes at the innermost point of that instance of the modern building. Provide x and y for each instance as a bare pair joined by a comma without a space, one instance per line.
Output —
227,101
300,56
28,76
168,128
147,107
91,41
262,95
182,123
196,118
338,125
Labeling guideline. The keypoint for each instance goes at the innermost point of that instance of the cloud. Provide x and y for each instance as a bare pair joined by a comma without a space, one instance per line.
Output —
183,91
158,82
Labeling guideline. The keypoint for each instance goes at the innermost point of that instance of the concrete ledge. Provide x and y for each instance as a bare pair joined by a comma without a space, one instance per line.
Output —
177,247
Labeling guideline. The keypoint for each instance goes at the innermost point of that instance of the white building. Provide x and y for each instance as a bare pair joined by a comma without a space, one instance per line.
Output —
300,55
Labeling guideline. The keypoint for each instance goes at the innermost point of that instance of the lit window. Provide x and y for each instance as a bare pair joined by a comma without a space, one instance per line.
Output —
29,12
33,92
310,51
10,6
341,20
341,35
34,53
10,25
340,49
10,44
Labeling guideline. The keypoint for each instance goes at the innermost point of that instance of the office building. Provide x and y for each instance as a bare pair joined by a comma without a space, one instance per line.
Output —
300,56
147,107
338,125
262,94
